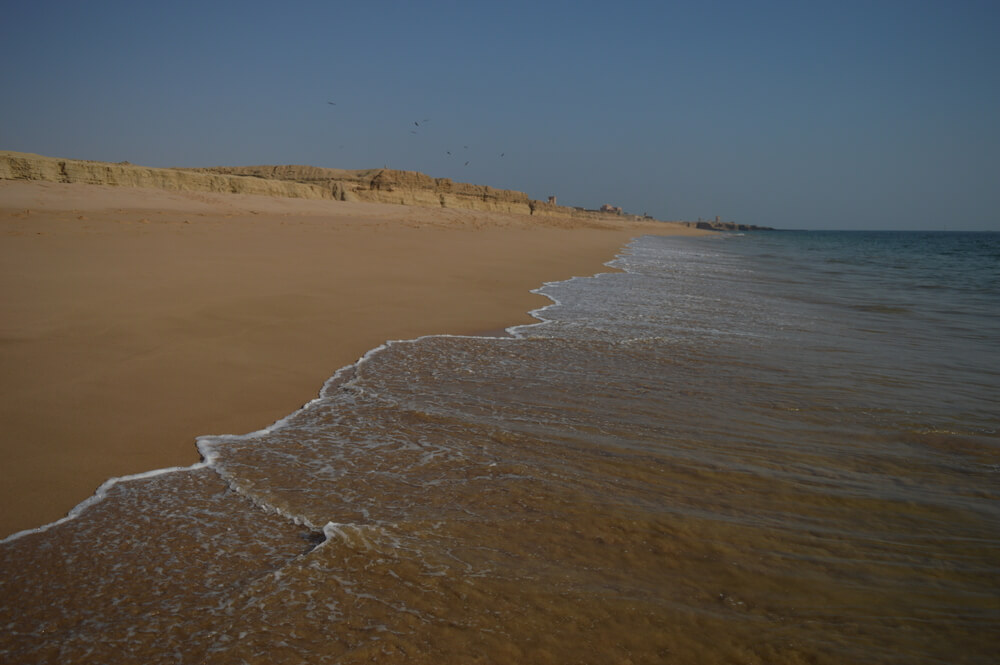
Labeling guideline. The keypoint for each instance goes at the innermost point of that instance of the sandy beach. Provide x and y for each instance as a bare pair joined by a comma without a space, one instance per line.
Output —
137,319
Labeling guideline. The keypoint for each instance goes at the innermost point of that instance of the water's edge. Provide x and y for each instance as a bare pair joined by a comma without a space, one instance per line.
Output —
207,443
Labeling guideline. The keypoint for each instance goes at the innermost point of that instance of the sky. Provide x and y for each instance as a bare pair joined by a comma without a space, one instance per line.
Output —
881,114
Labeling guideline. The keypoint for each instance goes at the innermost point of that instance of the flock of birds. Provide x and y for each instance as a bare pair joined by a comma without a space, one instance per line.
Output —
421,123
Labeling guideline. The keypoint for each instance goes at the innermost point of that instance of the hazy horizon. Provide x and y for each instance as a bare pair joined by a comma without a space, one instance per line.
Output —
851,116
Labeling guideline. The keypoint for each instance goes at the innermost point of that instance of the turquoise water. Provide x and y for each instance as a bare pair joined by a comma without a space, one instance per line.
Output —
764,448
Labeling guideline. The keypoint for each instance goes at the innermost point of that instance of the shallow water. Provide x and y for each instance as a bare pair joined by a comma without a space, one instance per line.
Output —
777,448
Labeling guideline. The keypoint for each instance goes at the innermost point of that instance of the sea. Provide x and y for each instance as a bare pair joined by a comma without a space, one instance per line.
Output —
772,447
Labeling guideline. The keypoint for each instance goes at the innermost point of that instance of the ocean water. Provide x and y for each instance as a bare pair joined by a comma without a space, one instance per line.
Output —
766,448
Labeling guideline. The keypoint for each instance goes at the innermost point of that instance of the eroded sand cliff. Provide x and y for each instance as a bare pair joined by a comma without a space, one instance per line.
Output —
26,166
293,181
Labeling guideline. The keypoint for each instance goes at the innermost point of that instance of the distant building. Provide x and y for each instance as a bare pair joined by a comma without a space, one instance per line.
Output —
552,200
607,207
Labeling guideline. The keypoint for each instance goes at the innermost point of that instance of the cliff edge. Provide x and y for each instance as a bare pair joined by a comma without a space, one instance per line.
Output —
402,187
291,181
26,166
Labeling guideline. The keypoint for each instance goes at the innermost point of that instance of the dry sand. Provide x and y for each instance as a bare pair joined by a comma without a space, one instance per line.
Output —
135,320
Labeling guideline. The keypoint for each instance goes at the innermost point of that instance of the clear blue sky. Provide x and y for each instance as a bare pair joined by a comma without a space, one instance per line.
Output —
876,114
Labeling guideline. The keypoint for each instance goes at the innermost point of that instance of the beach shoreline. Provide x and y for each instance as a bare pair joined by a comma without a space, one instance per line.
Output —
138,319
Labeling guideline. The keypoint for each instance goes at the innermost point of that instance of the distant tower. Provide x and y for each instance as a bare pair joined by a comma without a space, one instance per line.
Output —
552,200
718,219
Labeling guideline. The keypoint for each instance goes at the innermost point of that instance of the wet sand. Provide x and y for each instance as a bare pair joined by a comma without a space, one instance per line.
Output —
137,319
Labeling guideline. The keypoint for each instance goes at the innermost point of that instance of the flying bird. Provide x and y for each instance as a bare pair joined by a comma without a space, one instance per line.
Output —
332,103
467,163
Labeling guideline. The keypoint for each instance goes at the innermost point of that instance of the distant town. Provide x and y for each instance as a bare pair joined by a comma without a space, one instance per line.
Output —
718,225
714,225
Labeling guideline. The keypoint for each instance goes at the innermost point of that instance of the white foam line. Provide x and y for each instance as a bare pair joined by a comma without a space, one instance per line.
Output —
514,331
205,442
99,495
